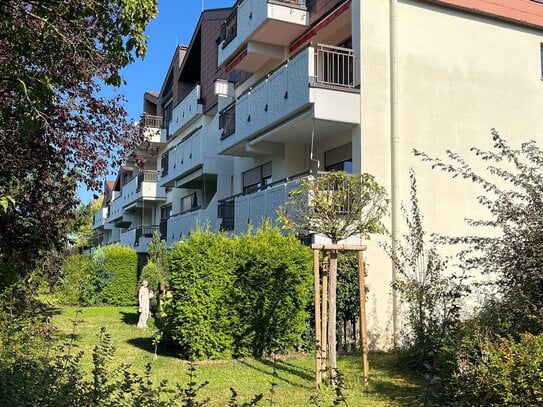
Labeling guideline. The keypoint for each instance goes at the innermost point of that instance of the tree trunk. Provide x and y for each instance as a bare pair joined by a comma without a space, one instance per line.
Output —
332,284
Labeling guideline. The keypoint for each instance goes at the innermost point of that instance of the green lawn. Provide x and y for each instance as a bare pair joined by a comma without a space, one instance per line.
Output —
295,385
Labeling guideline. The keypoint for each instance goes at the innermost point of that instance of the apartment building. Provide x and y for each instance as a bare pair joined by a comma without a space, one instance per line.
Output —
270,91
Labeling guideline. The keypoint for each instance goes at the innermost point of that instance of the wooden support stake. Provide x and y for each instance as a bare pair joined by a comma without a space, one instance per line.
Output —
363,325
324,316
317,301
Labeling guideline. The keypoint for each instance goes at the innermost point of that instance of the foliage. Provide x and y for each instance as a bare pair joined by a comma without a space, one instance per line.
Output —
337,205
119,270
273,282
201,316
157,252
432,298
80,226
57,379
56,128
504,372
77,277
514,198
238,296
348,294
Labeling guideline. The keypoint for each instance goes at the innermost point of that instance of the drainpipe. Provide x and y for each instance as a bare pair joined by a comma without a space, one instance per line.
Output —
395,157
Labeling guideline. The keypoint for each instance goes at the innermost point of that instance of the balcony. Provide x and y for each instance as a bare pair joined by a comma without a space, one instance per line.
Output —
257,31
180,225
185,111
312,92
238,211
143,187
115,207
183,158
150,127
100,218
139,237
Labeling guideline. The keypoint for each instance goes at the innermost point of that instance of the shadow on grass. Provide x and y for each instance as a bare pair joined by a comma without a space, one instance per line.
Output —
129,318
282,370
146,344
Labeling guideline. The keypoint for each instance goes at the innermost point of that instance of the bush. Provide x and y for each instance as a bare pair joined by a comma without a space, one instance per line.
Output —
77,276
152,274
200,314
239,296
272,288
500,372
118,270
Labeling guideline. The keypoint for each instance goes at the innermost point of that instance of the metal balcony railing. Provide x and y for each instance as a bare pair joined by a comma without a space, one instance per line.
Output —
334,65
229,29
301,3
227,120
148,120
145,231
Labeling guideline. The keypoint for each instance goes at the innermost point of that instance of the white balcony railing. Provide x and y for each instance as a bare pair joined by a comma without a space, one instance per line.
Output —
115,208
143,186
100,217
240,210
183,157
185,111
179,226
286,18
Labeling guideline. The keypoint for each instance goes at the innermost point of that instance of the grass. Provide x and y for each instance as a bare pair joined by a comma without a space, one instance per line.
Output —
294,374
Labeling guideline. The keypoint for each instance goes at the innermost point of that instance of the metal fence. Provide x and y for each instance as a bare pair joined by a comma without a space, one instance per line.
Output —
335,66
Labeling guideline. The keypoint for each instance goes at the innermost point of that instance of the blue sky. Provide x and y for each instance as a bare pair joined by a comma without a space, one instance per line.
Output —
174,25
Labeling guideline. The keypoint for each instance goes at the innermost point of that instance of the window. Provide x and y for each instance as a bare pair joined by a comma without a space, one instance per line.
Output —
258,178
189,202
164,163
339,159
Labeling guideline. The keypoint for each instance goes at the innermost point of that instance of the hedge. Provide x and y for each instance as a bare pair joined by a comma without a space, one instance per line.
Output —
119,272
240,296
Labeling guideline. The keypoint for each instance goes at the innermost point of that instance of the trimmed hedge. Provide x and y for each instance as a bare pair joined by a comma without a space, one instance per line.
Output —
119,270
240,296
272,288
200,314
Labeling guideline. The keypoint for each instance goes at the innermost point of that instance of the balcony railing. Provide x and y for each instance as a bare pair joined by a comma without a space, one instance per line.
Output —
145,231
334,65
146,176
155,122
227,120
253,206
229,29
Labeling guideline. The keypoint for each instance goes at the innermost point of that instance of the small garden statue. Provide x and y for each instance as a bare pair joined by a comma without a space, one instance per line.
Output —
144,296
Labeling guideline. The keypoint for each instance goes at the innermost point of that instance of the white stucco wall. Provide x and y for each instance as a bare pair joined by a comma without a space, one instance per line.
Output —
459,75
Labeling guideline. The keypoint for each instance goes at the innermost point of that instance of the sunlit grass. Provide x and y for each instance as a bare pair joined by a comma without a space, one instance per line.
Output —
294,375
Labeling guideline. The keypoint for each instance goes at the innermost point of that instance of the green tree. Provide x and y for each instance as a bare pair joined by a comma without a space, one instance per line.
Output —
157,253
56,128
337,205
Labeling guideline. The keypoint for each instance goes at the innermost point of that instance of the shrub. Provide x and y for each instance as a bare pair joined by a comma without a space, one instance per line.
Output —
239,296
500,372
119,271
152,274
272,288
77,276
200,313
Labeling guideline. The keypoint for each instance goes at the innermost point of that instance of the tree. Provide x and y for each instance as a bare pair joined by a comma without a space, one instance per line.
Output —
337,205
157,253
55,128
513,187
